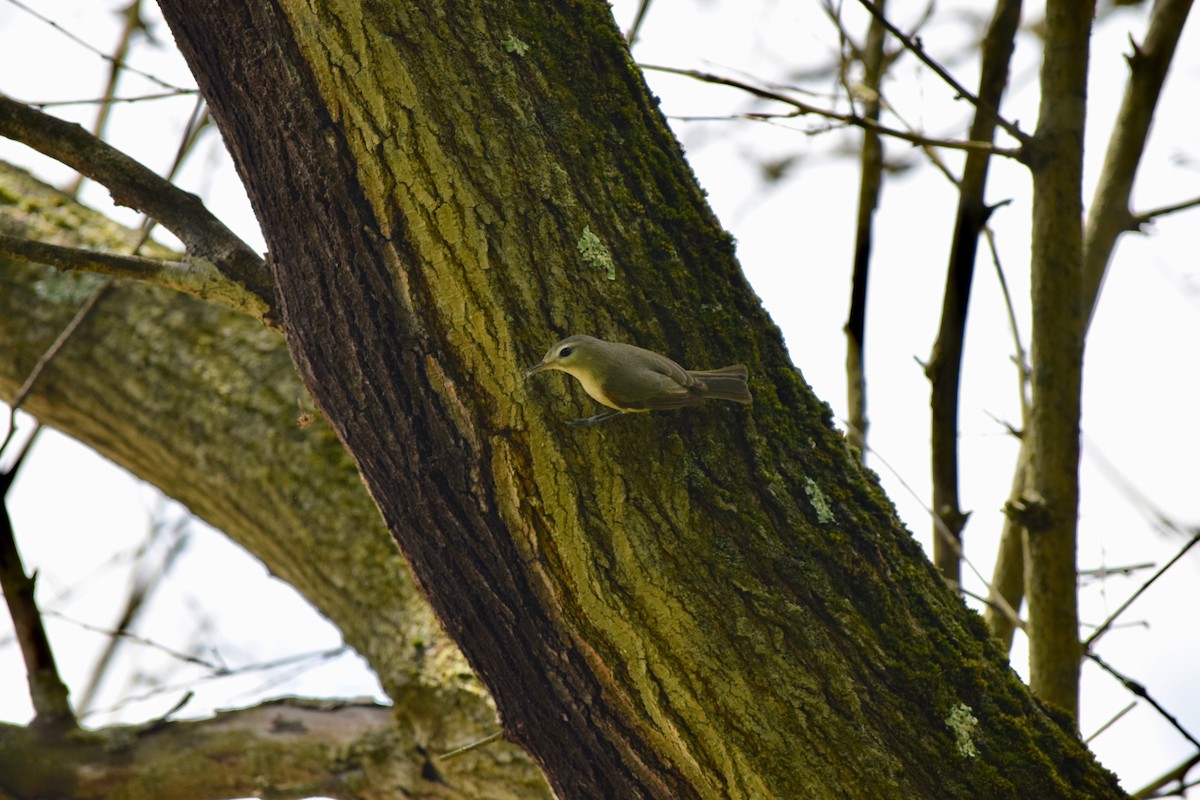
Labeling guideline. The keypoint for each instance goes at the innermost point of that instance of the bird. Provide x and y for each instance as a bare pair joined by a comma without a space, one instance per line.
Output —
627,378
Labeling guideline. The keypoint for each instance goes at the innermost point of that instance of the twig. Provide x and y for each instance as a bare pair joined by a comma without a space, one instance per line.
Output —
1175,774
638,19
846,119
1154,213
1112,721
95,101
458,751
917,49
34,374
95,50
1140,690
1096,634
133,26
995,599
145,580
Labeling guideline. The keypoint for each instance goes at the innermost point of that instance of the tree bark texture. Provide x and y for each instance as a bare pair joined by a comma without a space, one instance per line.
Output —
708,604
203,403
284,748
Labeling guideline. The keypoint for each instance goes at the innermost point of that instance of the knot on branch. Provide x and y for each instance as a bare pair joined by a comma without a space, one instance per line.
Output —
1029,511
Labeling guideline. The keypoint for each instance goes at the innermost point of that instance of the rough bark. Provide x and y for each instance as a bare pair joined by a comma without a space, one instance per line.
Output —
203,403
284,748
709,604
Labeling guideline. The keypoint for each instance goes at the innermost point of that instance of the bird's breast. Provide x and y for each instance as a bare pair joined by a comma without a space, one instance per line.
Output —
591,385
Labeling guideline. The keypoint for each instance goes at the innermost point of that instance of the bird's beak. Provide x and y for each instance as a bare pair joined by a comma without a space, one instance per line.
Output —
536,368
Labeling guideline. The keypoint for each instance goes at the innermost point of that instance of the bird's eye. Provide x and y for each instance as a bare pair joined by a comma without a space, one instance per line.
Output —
566,351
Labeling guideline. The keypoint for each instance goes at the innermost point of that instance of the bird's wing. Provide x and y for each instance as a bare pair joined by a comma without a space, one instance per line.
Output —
653,391
665,366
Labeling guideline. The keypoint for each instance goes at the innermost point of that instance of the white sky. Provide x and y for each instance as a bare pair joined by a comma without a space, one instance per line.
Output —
795,243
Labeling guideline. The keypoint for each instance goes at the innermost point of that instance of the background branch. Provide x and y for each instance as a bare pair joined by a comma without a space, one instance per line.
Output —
870,184
193,276
52,709
944,369
133,185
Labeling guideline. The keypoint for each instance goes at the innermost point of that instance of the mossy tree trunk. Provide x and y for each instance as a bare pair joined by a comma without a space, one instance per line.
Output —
706,604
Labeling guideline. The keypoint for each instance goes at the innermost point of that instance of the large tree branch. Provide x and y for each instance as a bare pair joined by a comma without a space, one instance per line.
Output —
133,185
288,748
201,401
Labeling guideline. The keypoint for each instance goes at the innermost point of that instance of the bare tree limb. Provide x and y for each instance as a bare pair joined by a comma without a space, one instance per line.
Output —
52,708
1050,511
802,108
1162,211
1107,624
944,369
1140,691
1108,218
1110,215
917,49
192,276
288,748
870,184
134,26
134,185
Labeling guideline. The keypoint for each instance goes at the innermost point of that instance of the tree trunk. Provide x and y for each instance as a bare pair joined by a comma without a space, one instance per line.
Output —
712,603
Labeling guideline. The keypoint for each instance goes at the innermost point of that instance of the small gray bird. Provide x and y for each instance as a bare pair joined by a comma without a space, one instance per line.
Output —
628,378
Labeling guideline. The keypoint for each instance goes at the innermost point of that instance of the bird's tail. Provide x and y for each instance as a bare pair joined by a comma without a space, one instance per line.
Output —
726,383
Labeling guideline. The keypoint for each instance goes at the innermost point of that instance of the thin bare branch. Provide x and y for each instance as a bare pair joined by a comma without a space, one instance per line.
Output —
944,369
1140,691
1174,775
1108,623
870,185
147,576
638,19
136,186
95,50
803,108
1110,216
1145,217
191,276
52,708
917,49
95,101
134,26
53,350
1111,721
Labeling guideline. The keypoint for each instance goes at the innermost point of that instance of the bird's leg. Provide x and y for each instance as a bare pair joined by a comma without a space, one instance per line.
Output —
592,420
